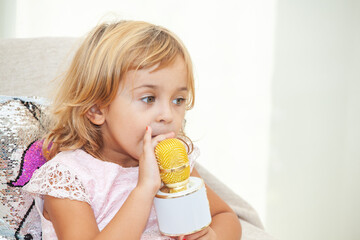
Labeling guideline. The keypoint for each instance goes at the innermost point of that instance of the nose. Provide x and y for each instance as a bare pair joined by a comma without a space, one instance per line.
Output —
165,114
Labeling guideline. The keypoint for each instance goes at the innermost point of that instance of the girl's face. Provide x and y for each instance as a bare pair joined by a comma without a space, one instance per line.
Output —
149,97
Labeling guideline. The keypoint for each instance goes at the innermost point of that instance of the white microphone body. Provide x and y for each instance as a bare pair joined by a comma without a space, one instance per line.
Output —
182,207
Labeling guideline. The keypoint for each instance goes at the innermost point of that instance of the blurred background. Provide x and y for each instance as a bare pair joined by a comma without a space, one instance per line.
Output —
277,113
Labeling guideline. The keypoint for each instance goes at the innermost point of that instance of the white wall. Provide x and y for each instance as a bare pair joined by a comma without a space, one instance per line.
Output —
7,18
231,46
314,174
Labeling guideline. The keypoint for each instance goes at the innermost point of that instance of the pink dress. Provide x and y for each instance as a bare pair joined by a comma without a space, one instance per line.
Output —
76,175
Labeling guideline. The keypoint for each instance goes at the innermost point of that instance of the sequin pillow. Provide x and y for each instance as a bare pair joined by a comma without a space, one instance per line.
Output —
21,126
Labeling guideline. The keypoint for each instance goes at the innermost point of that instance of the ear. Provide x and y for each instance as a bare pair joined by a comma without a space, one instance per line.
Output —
96,115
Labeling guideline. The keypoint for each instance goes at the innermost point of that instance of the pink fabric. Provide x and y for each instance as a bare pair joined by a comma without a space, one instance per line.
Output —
104,185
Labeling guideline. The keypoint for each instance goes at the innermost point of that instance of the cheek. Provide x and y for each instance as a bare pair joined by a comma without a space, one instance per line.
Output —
180,122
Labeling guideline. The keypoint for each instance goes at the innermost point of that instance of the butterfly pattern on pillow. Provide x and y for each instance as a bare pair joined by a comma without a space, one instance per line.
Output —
21,125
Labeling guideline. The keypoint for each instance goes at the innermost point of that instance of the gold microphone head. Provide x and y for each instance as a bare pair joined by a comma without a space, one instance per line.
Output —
174,165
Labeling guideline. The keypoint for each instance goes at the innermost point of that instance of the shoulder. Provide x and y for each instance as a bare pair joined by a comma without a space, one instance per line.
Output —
78,161
74,162
73,157
60,177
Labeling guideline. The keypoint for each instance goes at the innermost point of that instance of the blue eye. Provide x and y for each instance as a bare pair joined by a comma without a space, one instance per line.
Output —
179,101
149,99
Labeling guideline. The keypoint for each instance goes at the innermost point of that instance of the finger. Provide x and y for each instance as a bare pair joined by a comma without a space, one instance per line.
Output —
182,237
197,235
147,137
147,145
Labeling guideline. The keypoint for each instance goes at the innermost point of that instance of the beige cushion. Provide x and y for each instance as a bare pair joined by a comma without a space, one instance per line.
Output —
27,66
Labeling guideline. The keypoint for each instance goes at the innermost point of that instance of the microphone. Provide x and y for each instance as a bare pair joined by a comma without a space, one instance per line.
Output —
173,164
181,204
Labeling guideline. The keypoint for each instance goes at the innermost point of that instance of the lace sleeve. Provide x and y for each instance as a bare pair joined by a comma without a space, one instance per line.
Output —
56,180
193,156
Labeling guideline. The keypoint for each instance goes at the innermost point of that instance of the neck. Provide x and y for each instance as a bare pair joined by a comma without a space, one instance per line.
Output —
124,160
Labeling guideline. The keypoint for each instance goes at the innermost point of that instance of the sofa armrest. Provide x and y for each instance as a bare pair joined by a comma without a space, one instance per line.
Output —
242,209
252,227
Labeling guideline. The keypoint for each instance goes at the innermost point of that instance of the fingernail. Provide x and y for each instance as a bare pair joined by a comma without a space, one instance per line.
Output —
147,128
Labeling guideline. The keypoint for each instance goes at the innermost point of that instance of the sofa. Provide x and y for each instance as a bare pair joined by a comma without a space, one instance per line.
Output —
27,68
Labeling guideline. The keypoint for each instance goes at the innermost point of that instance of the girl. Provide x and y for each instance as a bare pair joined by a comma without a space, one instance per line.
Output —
128,88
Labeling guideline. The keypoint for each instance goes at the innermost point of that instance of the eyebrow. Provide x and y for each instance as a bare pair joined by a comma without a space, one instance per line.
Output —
156,87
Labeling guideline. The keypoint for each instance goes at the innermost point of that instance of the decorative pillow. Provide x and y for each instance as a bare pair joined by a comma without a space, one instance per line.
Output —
21,126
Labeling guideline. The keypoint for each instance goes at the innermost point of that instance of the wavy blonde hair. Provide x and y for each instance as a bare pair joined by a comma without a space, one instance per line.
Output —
96,73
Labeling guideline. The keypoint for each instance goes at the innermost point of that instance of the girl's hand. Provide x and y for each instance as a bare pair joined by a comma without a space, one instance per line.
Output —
206,234
149,175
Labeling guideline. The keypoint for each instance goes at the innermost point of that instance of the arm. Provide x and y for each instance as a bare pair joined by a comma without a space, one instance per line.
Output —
224,225
76,220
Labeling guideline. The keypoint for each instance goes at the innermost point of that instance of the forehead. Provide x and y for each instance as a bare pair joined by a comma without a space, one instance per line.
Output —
174,72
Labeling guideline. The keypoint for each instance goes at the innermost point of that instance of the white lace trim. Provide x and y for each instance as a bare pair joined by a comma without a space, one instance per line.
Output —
55,179
193,156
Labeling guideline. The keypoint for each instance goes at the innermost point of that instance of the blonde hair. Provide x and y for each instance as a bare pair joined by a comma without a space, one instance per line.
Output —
96,72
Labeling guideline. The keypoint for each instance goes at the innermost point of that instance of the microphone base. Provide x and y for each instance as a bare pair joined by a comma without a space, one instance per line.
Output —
184,212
